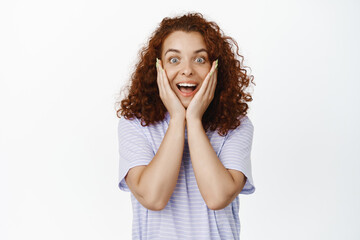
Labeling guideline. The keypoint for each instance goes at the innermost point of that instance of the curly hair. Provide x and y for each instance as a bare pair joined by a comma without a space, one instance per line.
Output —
229,103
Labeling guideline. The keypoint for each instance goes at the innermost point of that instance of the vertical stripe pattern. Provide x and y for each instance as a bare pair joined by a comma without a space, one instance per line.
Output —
186,215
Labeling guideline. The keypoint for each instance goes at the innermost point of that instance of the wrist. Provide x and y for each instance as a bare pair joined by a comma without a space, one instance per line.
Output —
196,122
177,120
177,115
193,116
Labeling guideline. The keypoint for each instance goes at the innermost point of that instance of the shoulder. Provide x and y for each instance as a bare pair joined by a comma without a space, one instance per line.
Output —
245,122
246,127
136,124
126,124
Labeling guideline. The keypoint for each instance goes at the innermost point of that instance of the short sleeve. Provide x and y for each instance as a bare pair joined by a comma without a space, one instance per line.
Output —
236,152
134,148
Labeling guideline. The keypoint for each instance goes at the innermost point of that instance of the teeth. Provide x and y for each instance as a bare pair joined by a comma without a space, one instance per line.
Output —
186,85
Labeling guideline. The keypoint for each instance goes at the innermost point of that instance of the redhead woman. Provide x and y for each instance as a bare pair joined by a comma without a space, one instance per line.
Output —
184,135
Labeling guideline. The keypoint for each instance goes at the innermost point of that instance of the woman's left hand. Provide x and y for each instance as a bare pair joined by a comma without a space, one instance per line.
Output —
204,96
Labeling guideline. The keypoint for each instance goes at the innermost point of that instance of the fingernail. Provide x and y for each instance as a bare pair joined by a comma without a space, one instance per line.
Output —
157,62
216,63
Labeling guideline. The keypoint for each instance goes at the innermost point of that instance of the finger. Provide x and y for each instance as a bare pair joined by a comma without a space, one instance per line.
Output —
211,76
160,79
213,84
158,75
206,81
166,84
164,79
214,77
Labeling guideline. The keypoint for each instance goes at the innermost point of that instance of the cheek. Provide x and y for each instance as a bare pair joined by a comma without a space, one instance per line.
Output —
204,72
170,73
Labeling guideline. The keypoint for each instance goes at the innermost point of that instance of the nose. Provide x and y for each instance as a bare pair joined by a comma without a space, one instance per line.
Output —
187,69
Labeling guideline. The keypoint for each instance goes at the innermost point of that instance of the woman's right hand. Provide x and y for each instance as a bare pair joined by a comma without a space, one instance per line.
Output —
167,95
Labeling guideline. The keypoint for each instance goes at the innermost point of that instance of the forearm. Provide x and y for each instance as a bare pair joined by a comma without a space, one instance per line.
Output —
215,182
159,178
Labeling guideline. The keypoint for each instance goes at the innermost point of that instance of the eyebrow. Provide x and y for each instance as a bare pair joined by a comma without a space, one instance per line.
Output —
177,51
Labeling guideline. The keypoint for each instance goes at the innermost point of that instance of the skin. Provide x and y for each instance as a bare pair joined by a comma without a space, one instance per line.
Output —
185,59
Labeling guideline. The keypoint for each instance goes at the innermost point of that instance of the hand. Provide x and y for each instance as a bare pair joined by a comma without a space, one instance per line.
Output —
204,96
167,95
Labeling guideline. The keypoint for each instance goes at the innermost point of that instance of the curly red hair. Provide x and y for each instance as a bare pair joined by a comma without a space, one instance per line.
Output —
229,103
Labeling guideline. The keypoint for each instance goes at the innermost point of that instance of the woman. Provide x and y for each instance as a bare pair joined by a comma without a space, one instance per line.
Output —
184,137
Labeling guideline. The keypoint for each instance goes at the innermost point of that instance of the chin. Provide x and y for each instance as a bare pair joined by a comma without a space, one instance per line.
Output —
185,106
185,103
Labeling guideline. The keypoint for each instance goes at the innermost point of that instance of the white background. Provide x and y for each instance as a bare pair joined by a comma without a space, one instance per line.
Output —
62,64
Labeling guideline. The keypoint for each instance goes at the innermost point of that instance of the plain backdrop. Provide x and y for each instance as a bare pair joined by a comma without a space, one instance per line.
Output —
63,63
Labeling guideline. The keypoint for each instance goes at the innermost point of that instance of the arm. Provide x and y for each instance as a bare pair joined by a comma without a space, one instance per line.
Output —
153,185
218,185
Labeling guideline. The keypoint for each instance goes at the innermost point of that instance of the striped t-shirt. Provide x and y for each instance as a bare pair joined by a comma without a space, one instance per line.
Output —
186,215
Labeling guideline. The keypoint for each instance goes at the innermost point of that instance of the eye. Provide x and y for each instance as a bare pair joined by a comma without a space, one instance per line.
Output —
200,60
173,60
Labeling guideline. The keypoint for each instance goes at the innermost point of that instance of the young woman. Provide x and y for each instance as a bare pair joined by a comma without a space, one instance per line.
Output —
184,137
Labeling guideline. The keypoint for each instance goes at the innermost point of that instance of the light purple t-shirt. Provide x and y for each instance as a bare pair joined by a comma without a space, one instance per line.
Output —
186,215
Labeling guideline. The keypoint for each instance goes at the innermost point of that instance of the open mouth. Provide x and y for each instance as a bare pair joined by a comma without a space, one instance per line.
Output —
186,88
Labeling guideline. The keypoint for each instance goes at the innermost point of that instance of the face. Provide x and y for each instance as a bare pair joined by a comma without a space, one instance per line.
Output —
186,63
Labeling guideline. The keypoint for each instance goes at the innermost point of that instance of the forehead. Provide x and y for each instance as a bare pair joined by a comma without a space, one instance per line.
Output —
184,42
